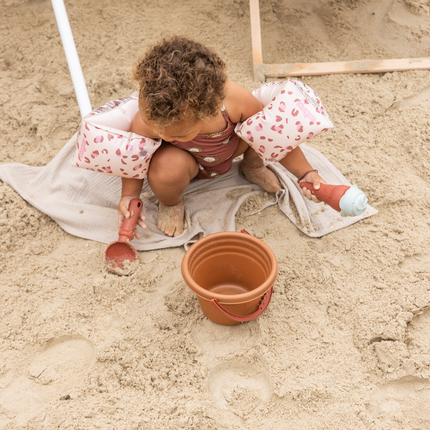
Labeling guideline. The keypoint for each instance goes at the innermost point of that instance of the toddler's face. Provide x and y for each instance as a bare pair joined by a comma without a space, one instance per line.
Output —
183,132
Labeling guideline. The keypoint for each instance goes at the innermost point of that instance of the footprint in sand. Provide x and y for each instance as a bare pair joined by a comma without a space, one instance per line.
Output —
418,336
216,340
418,99
408,398
239,387
401,401
418,263
59,366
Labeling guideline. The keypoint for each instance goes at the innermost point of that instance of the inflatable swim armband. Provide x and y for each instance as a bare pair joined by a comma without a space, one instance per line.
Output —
292,114
106,144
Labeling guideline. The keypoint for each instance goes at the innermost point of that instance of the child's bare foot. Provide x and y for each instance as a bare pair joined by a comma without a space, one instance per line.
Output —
171,218
254,171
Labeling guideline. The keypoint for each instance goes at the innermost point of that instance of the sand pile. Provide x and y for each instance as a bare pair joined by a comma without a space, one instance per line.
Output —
344,344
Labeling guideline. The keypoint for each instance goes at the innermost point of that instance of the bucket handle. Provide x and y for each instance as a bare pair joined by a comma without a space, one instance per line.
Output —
262,306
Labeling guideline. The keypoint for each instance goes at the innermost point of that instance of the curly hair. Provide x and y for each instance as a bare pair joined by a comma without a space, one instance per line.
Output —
179,78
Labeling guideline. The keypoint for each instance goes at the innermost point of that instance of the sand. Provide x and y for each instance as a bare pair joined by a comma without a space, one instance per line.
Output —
345,343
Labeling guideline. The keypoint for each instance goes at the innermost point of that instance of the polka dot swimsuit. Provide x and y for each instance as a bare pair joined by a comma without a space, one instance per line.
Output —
213,152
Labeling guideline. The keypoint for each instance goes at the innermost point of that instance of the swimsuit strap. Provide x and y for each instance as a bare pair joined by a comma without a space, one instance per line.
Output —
224,111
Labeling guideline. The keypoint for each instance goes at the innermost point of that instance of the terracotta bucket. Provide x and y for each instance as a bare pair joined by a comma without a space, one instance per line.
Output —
232,275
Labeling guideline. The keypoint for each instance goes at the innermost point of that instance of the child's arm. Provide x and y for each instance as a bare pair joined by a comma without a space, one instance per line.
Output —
296,163
131,188
139,127
241,105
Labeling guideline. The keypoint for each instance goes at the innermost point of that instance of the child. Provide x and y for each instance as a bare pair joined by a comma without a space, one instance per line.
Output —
186,99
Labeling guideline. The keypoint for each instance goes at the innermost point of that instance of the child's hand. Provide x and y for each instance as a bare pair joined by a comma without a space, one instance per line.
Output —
123,213
315,179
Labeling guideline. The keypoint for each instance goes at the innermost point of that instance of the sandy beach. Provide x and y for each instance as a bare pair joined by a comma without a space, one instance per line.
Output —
345,342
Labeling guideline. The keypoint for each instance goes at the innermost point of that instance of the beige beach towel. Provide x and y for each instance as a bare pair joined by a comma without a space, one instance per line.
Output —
84,203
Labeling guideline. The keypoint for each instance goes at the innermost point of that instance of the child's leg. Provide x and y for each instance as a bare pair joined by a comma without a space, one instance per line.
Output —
254,171
170,172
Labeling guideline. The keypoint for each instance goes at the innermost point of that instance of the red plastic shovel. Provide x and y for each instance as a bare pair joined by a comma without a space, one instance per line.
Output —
121,256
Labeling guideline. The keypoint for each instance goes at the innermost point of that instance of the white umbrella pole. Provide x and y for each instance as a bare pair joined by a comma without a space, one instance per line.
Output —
72,57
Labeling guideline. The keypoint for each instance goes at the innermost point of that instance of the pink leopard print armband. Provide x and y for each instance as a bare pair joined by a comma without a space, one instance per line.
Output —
292,114
106,144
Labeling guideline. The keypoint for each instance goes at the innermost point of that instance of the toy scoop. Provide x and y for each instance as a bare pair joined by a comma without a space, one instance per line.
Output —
121,256
349,201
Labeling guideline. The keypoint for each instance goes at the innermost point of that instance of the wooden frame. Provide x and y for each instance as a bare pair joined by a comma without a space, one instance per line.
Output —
263,71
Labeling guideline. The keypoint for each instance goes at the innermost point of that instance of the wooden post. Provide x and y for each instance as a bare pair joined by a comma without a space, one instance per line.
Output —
362,66
263,71
257,51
